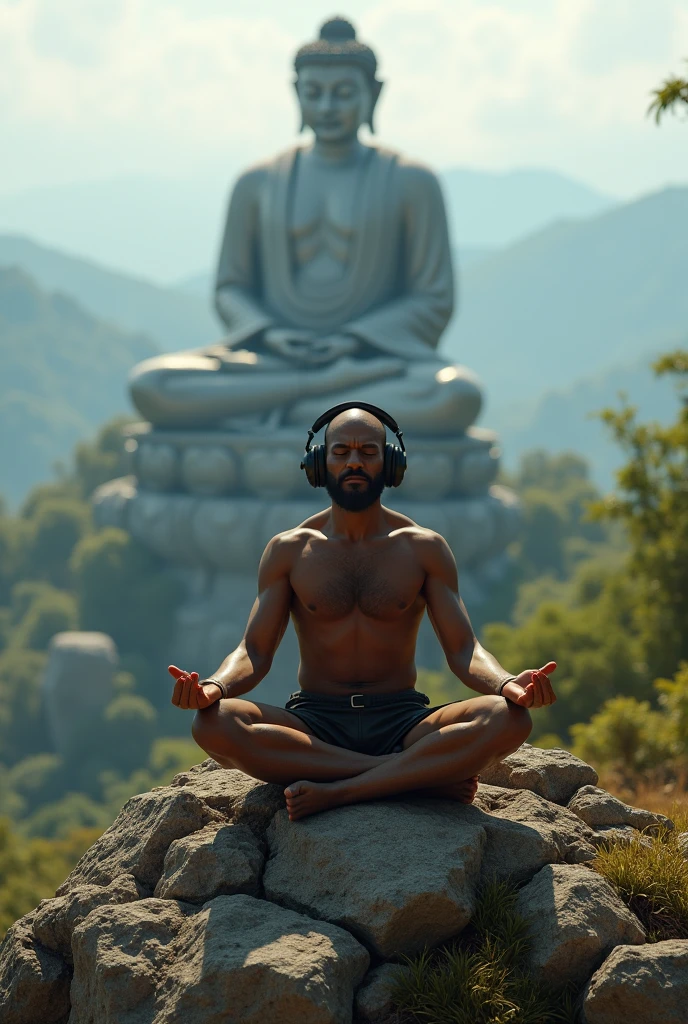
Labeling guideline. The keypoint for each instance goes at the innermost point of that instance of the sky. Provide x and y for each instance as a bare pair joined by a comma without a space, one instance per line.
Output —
185,89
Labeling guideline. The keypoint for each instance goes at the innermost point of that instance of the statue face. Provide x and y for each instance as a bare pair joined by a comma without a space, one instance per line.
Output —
335,100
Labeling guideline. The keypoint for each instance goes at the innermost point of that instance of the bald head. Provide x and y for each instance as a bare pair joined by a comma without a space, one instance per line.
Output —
357,422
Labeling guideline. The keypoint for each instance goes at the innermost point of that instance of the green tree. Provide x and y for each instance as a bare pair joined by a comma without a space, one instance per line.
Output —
652,505
52,611
57,525
23,729
626,736
122,590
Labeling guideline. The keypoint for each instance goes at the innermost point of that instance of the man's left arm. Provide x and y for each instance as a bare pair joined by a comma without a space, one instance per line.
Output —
466,656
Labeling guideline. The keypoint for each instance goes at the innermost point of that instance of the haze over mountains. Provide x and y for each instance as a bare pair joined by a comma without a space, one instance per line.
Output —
166,230
555,324
63,374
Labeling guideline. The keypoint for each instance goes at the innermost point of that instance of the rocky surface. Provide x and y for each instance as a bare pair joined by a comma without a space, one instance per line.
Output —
554,774
202,899
599,809
640,983
235,958
399,877
374,997
34,981
56,919
218,860
575,919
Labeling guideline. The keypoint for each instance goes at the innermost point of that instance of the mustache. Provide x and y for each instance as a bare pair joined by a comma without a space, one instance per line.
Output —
353,472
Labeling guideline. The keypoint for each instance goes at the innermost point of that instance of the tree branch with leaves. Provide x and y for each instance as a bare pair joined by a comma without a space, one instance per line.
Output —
669,96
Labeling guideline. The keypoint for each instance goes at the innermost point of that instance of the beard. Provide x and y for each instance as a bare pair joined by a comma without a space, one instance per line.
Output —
355,501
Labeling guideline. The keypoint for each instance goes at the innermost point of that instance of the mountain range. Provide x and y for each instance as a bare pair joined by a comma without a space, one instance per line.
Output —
63,374
555,325
165,230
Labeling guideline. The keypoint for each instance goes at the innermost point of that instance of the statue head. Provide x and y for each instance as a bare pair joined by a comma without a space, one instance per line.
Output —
336,83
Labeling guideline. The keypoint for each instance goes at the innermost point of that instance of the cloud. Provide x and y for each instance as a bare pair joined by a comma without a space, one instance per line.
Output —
146,86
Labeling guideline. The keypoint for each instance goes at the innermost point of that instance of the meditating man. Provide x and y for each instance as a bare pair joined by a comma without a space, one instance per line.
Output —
357,579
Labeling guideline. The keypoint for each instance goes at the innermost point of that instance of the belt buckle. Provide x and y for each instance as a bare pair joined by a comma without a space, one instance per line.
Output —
353,696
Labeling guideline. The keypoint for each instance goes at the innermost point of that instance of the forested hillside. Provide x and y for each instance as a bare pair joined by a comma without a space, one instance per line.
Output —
63,373
579,298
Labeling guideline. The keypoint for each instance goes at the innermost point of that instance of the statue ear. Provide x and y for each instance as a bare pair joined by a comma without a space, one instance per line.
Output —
376,89
298,100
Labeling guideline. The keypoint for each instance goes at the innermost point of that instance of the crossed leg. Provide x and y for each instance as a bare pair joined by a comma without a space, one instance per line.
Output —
441,756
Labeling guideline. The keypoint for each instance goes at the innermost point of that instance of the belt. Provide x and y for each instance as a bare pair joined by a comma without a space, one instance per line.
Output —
361,700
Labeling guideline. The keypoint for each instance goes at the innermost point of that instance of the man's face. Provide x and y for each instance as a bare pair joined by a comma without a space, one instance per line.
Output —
335,100
355,465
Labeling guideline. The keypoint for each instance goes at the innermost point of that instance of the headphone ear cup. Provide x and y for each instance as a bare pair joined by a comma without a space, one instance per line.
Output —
395,465
320,469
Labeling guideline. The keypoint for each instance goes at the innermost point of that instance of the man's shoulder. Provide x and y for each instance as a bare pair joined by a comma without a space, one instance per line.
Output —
295,538
420,536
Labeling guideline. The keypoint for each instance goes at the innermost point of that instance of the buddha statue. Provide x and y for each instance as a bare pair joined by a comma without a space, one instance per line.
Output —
334,280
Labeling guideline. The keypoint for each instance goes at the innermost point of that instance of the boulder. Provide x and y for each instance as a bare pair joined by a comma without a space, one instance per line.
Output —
640,983
563,836
120,957
77,684
236,959
600,809
34,981
238,797
57,918
279,966
624,834
139,837
374,997
217,860
397,875
575,919
554,774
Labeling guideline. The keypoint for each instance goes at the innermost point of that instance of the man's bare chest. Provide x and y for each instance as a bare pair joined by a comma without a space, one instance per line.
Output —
334,581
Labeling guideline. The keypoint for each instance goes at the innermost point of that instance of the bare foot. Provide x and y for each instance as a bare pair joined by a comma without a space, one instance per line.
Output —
464,792
304,798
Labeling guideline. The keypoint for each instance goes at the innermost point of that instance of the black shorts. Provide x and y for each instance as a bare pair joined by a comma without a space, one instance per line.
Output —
372,723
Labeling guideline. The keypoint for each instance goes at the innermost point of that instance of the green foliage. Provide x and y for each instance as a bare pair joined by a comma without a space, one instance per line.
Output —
626,736
653,507
58,524
590,640
652,880
51,611
630,738
31,870
673,700
130,724
672,93
122,591
481,978
23,729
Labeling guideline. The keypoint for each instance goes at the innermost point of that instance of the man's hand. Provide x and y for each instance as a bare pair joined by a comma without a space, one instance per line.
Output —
189,693
532,688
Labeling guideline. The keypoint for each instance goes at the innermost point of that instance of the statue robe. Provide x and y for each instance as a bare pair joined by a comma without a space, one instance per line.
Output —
397,292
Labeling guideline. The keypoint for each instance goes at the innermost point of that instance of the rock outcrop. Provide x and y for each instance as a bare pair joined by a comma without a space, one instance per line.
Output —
640,983
575,919
204,903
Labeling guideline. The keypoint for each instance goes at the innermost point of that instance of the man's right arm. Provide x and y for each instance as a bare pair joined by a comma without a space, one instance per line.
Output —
250,662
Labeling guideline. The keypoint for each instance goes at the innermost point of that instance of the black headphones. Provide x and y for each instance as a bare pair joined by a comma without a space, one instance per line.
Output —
314,457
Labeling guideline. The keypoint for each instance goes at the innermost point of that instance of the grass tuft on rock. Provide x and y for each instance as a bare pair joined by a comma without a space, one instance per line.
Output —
652,880
481,977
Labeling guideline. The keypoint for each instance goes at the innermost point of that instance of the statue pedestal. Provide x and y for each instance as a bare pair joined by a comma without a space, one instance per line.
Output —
208,503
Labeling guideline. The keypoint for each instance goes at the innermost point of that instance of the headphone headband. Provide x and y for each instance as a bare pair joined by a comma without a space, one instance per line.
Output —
383,416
